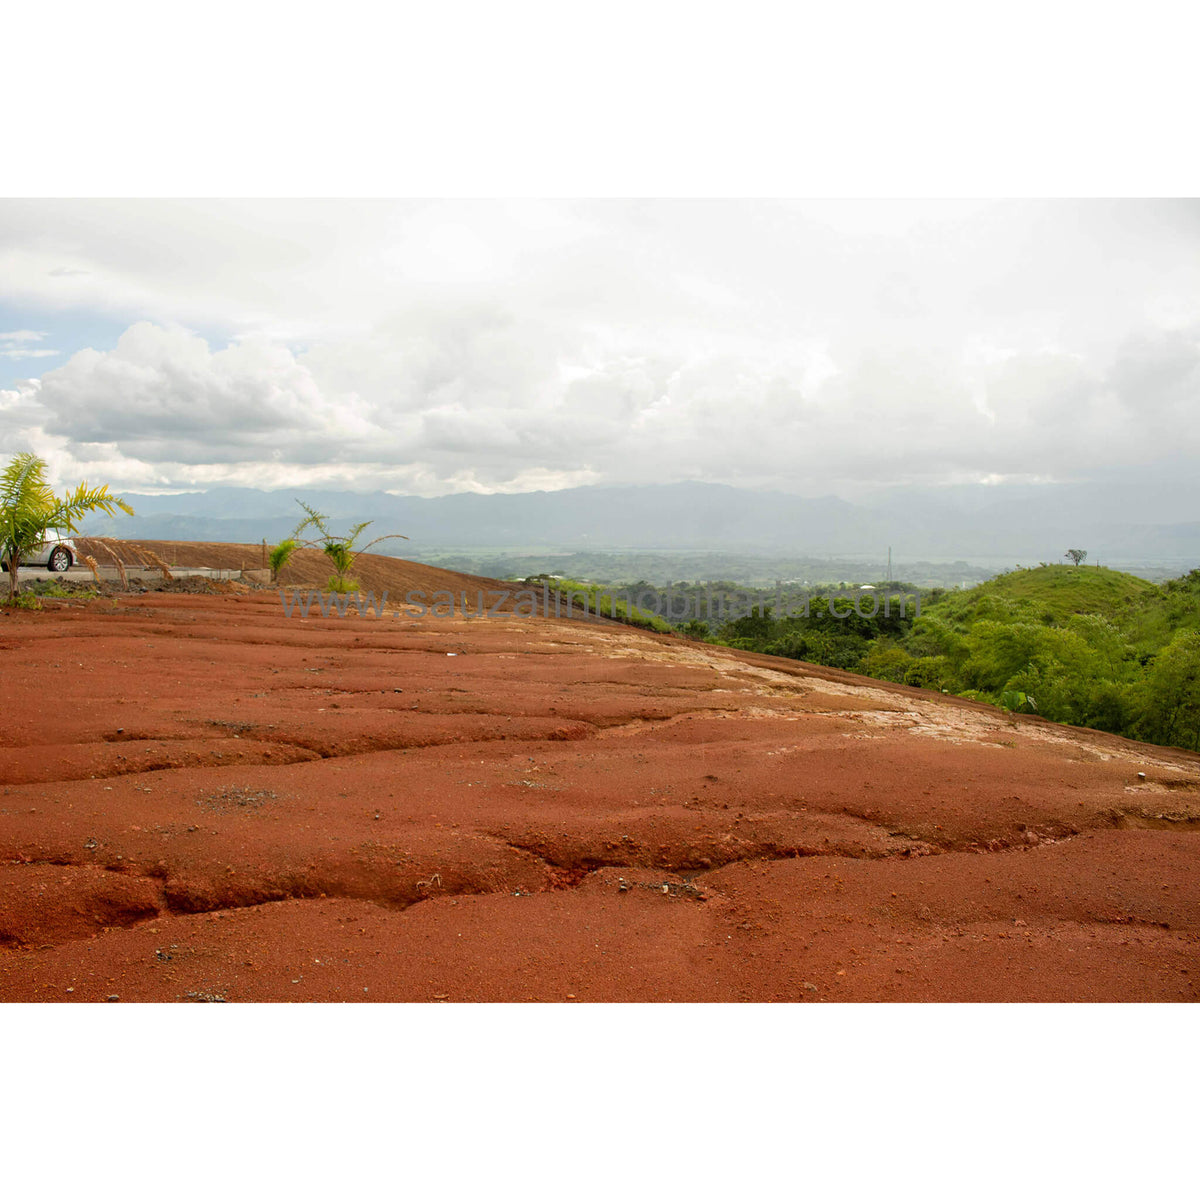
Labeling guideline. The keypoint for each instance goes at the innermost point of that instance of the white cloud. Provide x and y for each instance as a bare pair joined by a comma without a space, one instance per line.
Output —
467,345
162,394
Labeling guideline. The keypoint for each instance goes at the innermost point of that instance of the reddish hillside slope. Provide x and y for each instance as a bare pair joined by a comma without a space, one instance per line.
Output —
308,568
205,799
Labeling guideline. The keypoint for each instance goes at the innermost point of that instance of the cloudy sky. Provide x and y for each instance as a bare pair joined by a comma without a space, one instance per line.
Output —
427,347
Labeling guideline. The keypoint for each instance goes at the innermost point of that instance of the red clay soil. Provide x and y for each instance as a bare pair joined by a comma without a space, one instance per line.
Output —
308,568
203,799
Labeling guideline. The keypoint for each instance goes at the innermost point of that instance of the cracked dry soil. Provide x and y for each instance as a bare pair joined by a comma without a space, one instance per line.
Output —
204,800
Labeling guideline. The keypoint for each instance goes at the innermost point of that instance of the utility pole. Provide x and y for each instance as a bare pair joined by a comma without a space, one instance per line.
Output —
889,564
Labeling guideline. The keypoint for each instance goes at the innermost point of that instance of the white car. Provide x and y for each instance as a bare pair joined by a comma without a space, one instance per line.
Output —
56,553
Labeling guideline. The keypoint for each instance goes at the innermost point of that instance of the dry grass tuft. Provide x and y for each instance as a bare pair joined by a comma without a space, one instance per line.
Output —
155,561
109,545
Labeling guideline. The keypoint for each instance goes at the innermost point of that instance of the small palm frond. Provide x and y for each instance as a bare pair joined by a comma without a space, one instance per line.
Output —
83,500
384,538
314,519
23,487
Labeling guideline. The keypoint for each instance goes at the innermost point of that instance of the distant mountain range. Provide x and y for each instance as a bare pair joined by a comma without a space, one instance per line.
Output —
981,524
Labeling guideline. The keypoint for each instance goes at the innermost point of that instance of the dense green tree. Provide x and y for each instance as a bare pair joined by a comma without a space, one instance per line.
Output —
1172,693
932,671
934,636
885,660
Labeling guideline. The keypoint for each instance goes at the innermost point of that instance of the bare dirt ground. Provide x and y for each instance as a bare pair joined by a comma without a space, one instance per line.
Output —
203,799
308,568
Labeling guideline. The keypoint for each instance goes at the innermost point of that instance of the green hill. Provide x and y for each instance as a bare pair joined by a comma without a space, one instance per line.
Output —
1082,645
1058,590
1147,615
